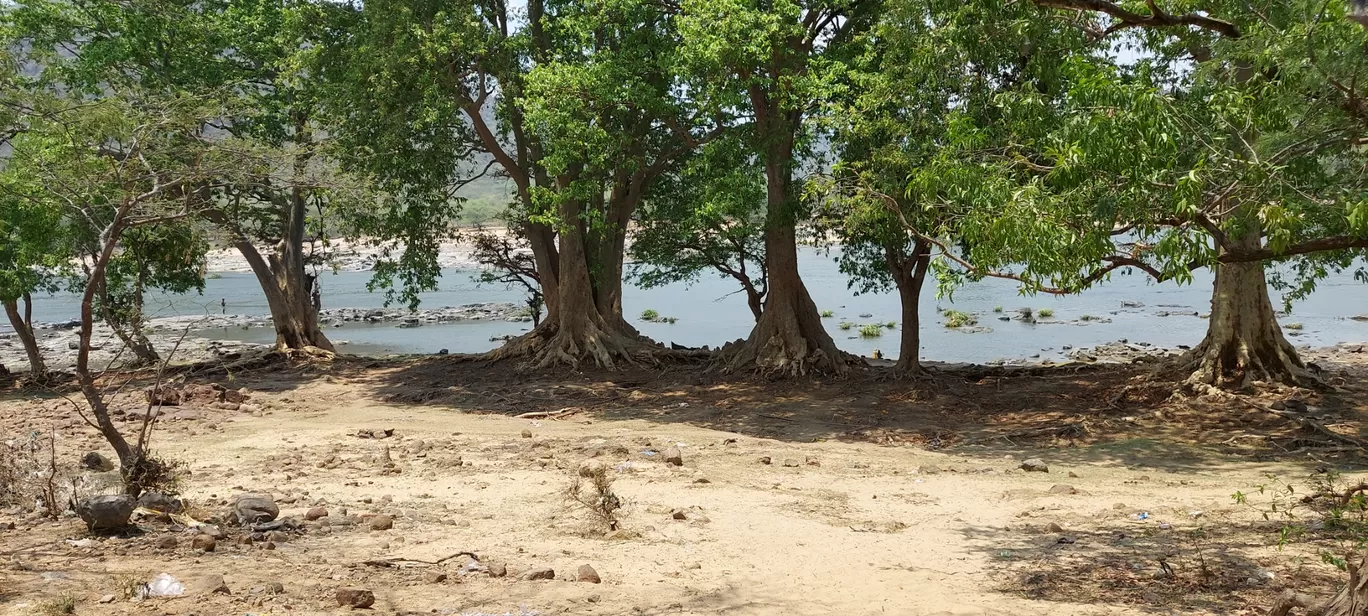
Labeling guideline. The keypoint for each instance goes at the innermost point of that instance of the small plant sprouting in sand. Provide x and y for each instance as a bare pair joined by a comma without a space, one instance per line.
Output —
592,489
65,604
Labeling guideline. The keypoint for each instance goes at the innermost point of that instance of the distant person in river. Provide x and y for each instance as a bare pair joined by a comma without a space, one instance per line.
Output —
223,306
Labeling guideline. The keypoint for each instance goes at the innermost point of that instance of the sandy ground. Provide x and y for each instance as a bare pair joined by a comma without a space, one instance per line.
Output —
848,517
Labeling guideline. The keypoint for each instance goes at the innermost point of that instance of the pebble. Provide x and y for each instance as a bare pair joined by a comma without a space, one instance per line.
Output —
355,598
1035,465
167,543
674,456
205,543
107,599
526,433
765,460
1054,528
1063,488
678,514
381,522
497,570
435,577
539,574
315,513
587,574
790,463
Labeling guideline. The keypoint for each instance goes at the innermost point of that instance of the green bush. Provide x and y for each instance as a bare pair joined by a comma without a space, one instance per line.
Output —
1294,326
1045,312
649,315
955,318
997,308
871,331
827,314
891,325
846,325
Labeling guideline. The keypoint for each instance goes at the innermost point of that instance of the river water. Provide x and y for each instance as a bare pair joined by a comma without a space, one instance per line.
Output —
709,312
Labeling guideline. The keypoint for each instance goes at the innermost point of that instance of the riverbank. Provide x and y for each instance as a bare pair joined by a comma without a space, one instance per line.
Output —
352,256
201,337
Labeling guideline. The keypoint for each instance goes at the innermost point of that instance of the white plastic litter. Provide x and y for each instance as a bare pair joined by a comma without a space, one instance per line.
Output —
163,585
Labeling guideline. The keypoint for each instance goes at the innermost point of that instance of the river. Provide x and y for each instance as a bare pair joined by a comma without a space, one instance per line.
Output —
709,312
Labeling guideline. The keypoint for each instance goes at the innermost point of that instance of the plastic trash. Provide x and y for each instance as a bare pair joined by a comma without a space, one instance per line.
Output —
623,467
163,585
649,452
1164,526
1143,515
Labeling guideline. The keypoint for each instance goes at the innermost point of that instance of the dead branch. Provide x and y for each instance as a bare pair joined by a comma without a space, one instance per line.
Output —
413,563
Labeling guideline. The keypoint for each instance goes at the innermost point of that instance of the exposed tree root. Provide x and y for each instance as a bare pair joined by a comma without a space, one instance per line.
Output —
1235,364
1351,600
550,345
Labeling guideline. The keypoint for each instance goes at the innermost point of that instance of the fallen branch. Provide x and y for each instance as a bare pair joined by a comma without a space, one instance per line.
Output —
412,563
548,414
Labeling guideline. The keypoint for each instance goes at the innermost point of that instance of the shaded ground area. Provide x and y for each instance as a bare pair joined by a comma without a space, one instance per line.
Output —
858,495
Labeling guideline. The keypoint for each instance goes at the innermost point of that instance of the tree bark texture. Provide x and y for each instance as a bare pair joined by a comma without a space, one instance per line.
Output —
24,328
1244,343
909,275
1351,600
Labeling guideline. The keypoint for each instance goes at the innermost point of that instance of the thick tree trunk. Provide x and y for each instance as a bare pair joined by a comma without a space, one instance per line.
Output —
909,274
1351,600
1244,343
609,247
576,331
789,338
24,328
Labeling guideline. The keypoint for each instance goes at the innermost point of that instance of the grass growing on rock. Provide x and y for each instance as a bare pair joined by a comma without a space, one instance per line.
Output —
956,319
873,330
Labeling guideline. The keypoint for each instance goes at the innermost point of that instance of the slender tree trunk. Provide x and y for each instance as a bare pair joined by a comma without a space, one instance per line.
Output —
24,328
909,274
754,299
95,282
1244,343
130,332
789,338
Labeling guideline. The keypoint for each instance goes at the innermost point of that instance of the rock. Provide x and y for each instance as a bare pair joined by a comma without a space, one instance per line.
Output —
592,467
204,543
765,460
156,501
435,577
526,433
355,598
702,480
497,570
210,585
275,588
1073,475
253,509
107,599
678,514
276,536
236,396
1063,488
106,512
162,396
587,574
213,531
674,456
790,462
1035,465
315,513
167,543
539,574
96,461
381,522
1054,528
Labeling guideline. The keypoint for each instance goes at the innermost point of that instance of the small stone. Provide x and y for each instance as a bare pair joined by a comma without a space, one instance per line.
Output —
106,512
526,433
156,501
276,536
96,461
167,543
674,456
678,514
1063,488
315,513
539,574
381,522
253,509
205,543
497,570
275,588
1035,465
1054,528
356,598
702,480
765,460
790,463
1073,475
587,574
107,599
435,577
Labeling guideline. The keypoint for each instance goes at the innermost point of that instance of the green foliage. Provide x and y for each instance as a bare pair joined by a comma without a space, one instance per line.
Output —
997,309
846,325
1045,313
1294,326
955,319
1329,509
871,331
891,325
827,314
649,315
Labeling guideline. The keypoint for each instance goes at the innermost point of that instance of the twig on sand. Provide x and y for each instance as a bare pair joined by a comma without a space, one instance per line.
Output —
411,563
549,414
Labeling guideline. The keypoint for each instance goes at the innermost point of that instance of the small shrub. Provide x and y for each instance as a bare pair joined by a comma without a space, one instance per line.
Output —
1025,313
827,314
151,473
1294,326
956,319
1087,317
891,325
997,308
845,325
1045,313
592,489
65,604
649,315
871,331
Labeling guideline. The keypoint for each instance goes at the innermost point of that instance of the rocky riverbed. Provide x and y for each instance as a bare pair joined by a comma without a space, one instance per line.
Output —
59,341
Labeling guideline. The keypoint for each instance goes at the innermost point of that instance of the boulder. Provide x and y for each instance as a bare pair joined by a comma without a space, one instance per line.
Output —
254,508
96,461
356,598
587,574
106,512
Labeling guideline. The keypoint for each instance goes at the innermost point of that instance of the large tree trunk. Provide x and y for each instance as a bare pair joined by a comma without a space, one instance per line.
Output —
608,246
24,328
576,331
909,274
1244,343
789,339
1351,600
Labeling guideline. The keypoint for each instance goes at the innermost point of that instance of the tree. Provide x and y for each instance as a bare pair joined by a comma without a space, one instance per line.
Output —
775,62
707,214
509,262
33,251
1230,143
169,258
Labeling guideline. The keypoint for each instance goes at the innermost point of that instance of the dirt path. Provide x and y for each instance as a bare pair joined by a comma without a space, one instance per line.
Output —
823,528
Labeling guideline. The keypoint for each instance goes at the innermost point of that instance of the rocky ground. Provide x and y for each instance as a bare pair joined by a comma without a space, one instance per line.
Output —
1072,491
58,341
